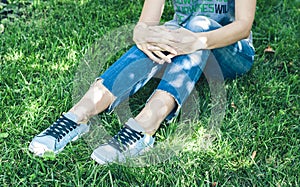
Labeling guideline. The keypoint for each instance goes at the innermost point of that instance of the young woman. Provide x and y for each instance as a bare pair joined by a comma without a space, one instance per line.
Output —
219,30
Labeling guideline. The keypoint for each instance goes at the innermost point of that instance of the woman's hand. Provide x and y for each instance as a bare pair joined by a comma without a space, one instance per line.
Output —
181,40
141,35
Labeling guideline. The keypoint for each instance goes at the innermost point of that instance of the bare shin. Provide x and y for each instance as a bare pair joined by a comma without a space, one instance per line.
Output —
155,111
95,100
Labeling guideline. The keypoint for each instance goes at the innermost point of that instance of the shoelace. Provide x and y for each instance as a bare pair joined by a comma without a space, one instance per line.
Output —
60,128
124,138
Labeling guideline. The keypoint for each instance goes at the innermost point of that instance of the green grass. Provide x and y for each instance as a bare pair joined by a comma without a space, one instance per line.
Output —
42,46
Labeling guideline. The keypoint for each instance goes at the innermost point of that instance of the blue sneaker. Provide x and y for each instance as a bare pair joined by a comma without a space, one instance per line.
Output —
130,141
58,135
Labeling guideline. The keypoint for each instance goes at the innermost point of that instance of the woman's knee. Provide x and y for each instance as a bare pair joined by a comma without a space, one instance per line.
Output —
201,24
98,85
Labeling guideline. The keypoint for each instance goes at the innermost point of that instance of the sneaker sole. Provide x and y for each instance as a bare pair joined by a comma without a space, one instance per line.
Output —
99,161
102,162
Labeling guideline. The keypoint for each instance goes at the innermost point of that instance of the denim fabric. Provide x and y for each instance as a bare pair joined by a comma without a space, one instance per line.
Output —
134,69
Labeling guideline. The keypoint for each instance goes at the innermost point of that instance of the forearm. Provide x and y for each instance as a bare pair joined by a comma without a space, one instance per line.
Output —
237,30
225,36
152,12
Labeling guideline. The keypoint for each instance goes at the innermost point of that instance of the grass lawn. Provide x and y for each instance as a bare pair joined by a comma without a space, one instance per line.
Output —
44,43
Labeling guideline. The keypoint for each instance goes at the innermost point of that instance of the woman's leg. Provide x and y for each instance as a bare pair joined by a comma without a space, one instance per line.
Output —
181,75
155,111
95,100
175,86
128,74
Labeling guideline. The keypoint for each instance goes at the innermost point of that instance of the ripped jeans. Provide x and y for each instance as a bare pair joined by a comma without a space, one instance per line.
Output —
134,69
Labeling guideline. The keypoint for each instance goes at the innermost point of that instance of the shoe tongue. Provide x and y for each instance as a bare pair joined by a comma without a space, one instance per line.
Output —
131,123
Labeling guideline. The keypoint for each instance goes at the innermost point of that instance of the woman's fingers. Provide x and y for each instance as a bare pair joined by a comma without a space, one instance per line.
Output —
163,57
171,56
162,47
154,48
150,54
159,54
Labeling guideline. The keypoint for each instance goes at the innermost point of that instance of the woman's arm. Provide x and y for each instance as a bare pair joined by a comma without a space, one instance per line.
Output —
235,31
152,12
150,16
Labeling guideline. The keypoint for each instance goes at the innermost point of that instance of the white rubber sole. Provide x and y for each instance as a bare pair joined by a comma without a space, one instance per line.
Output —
106,161
99,161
